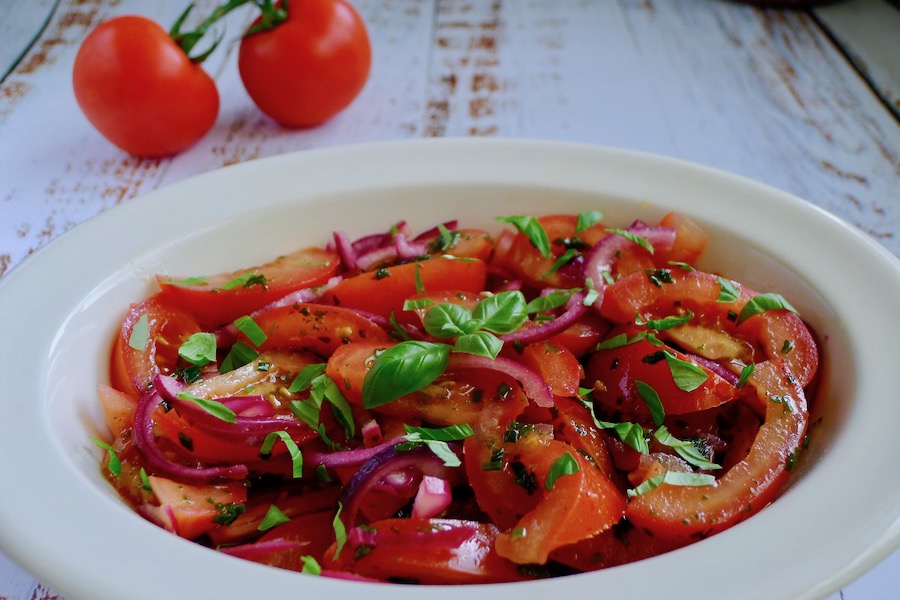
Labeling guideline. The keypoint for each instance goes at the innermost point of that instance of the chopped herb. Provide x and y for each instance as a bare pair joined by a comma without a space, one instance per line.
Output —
382,273
322,474
633,237
114,464
239,355
246,280
651,399
296,456
273,518
659,276
746,372
248,327
791,460
554,299
228,513
592,294
310,566
199,349
564,465
420,285
587,219
523,477
672,478
728,291
340,531
787,346
681,265
561,260
140,333
188,281
213,407
684,448
762,303
665,323
688,376
402,369
145,481
533,230
436,440
495,463
445,240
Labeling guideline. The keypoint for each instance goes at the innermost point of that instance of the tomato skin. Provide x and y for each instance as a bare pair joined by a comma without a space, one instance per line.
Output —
214,305
140,90
316,327
310,67
384,291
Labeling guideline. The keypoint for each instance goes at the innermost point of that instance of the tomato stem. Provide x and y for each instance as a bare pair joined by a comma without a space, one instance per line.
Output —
188,39
271,16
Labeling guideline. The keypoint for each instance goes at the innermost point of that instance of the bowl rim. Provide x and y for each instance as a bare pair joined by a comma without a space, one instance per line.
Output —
70,563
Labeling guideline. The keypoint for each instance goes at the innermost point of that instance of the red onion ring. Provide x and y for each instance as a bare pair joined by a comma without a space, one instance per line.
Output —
535,388
257,549
573,311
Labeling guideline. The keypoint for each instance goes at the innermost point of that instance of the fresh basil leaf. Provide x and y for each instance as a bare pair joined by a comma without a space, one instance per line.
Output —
587,219
619,340
672,478
685,449
290,444
533,230
420,285
502,313
666,322
246,280
682,265
746,372
592,294
417,303
633,237
248,327
763,303
398,332
631,434
332,394
114,464
451,433
560,262
446,320
564,465
307,411
188,281
340,531
273,518
140,333
554,299
479,343
199,349
145,480
688,376
402,369
213,407
728,291
310,566
304,379
239,355
651,399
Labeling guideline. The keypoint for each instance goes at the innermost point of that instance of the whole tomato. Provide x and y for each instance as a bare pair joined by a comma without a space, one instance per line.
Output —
309,67
140,89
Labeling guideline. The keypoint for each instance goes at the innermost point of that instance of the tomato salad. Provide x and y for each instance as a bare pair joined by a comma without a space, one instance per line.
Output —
459,407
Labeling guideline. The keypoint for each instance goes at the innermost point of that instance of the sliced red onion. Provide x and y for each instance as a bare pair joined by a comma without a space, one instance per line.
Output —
249,406
348,458
433,497
375,474
345,249
401,249
158,463
535,388
261,549
407,249
720,370
371,434
574,309
600,258
434,231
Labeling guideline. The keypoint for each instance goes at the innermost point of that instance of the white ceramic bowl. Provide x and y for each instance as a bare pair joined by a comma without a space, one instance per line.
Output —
60,520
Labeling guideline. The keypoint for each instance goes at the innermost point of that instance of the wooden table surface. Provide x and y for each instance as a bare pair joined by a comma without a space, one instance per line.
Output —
806,100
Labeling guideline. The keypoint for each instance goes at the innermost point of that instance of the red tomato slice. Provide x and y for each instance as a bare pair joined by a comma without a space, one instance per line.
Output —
316,327
574,425
460,297
314,531
189,511
693,512
578,506
779,333
383,291
555,364
466,243
118,409
583,335
619,370
220,299
619,545
426,551
690,241
148,343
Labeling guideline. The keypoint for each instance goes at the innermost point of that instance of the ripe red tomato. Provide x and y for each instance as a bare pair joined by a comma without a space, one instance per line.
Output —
140,90
311,66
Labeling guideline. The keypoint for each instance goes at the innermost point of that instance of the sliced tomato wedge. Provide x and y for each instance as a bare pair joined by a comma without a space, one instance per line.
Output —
316,327
555,364
384,291
693,512
190,511
425,551
463,243
219,299
148,342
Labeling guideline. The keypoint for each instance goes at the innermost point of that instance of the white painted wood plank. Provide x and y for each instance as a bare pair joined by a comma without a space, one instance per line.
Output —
869,31
20,24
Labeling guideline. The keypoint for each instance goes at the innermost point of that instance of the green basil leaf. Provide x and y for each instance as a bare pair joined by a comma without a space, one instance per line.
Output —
480,343
561,260
188,281
619,340
115,465
633,237
592,294
213,407
310,566
342,411
273,518
502,313
239,355
682,265
746,372
452,433
631,434
554,299
446,320
402,369
248,327
763,303
688,376
140,333
672,478
246,280
533,230
304,379
340,531
199,349
685,449
651,399
417,303
307,411
728,291
564,465
290,444
666,322
420,285
587,219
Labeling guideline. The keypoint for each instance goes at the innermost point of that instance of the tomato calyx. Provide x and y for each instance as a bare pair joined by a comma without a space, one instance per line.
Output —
271,16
